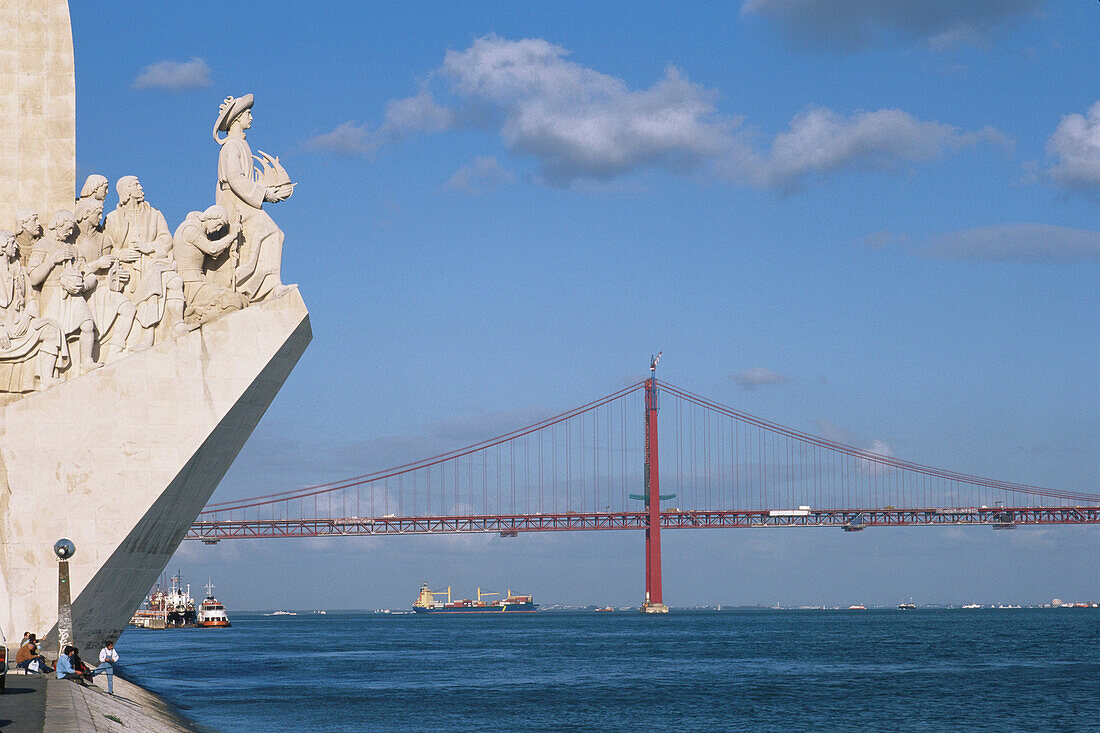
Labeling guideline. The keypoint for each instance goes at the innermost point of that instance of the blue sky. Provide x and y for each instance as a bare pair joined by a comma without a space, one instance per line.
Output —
503,210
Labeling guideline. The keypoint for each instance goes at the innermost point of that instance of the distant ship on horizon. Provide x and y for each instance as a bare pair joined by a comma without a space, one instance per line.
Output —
426,603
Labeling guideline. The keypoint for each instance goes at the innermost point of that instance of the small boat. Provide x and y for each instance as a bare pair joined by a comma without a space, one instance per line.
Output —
910,606
212,612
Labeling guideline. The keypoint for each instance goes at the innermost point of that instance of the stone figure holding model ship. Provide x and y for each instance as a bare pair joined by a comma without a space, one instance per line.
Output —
242,191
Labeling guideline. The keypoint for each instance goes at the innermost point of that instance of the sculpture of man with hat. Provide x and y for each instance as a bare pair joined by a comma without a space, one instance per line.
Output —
242,191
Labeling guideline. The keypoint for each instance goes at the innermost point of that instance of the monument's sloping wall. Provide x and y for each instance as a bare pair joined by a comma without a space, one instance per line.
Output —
122,459
37,108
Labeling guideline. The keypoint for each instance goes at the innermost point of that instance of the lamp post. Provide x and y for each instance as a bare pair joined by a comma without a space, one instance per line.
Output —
64,549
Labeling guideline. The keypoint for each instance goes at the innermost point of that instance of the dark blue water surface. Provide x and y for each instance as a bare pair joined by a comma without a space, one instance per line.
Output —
732,670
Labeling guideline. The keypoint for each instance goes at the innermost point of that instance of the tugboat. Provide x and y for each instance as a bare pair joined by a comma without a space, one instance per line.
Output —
426,603
211,611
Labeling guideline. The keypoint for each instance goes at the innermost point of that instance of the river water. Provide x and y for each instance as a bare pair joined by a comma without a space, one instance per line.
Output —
888,670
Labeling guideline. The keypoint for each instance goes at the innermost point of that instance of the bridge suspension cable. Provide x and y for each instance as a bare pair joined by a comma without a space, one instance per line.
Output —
588,460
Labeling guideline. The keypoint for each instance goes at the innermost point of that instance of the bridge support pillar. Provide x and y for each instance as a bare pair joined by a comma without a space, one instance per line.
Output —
653,598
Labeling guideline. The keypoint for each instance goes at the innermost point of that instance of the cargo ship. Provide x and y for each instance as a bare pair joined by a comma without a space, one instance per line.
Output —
162,610
426,603
212,612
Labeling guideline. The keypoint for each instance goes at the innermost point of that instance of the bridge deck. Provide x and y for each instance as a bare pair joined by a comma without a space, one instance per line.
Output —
848,519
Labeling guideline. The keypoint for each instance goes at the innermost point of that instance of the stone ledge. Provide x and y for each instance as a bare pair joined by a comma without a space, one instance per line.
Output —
72,707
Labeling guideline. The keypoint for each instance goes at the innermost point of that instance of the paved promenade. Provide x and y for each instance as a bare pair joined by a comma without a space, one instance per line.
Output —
36,703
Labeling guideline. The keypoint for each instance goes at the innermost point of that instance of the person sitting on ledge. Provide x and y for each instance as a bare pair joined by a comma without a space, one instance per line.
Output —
29,653
81,668
65,668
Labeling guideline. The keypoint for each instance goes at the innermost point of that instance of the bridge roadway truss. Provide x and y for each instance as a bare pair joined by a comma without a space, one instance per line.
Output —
511,525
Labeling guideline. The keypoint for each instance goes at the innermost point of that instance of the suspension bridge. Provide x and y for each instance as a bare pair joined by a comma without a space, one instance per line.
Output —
597,467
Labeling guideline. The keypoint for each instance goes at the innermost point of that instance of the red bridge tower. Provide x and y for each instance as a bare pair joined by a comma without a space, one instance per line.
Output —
653,602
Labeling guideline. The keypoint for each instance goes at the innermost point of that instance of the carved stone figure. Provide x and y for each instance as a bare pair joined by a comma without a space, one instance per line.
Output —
95,187
145,244
201,238
112,311
27,234
61,286
243,190
30,348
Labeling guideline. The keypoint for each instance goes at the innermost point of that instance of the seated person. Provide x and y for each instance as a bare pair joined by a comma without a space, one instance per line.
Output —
66,670
81,668
29,653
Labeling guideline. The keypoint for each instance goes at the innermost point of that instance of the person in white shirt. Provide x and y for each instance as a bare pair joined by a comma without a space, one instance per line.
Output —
108,657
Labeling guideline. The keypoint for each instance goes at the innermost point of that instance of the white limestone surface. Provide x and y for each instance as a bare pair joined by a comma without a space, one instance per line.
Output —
37,108
71,707
122,459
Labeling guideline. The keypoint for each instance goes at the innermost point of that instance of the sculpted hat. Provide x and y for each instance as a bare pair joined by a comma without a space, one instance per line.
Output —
230,109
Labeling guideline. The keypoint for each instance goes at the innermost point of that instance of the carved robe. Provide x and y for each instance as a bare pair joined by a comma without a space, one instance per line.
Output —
26,333
240,192
149,276
106,302
56,301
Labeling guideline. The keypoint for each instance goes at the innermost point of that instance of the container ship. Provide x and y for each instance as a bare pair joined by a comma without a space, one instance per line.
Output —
426,603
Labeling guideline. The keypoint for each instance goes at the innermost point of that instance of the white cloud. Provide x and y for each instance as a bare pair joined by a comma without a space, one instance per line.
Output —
852,24
837,434
879,447
580,123
819,142
833,432
420,113
174,76
1019,243
883,239
347,139
757,377
404,117
480,175
1075,149
583,127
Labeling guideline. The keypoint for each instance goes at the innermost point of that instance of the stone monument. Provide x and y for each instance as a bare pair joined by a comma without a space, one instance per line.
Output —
37,108
134,364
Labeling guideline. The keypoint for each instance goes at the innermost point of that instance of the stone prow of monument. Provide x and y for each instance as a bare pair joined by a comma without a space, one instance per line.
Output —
122,460
120,451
